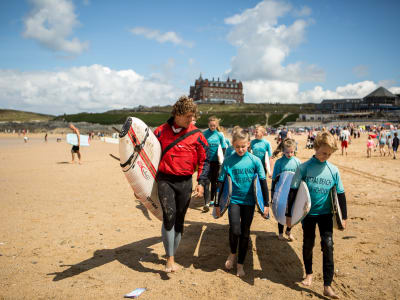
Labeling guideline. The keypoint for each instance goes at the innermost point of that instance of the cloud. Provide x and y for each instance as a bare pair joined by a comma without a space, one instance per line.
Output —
264,91
263,44
361,71
156,35
93,88
51,23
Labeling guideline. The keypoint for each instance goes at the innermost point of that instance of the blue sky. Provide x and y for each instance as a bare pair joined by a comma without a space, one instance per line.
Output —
68,56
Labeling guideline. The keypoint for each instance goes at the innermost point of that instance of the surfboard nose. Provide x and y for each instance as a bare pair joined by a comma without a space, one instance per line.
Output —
125,127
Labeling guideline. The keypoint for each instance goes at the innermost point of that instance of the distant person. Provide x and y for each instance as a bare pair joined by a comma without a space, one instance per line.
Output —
75,148
370,146
260,147
382,142
395,144
345,139
45,137
215,140
389,143
282,134
175,171
320,177
241,167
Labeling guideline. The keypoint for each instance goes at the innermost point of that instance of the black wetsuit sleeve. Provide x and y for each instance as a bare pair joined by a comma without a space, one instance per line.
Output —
219,190
273,188
264,190
223,150
291,199
343,205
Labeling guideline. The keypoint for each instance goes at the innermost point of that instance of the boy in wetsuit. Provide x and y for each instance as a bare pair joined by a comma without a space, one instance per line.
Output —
175,172
75,148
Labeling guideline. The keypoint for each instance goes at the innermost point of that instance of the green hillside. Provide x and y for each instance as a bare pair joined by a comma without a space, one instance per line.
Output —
9,115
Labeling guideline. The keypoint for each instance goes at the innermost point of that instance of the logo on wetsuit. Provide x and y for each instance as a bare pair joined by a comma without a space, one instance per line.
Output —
144,170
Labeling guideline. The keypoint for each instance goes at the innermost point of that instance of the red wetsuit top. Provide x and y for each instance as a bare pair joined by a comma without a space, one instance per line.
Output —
184,157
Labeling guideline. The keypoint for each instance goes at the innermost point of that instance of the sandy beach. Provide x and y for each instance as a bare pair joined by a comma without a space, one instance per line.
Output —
71,231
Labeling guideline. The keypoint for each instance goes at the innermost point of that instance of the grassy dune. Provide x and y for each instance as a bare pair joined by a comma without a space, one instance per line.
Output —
9,115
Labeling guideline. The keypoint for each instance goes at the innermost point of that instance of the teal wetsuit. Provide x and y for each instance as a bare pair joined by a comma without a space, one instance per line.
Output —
260,147
285,164
214,140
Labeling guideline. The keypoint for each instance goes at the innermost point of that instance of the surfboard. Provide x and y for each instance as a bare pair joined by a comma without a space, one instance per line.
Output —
279,201
267,164
337,213
258,196
110,140
140,154
72,139
224,197
220,154
302,204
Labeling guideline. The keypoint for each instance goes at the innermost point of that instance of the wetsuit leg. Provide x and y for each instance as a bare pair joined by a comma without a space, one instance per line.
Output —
207,194
309,223
246,218
234,226
166,194
168,238
183,191
280,228
325,225
214,172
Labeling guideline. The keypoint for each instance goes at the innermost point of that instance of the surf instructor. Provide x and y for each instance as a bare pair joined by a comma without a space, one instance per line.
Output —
184,148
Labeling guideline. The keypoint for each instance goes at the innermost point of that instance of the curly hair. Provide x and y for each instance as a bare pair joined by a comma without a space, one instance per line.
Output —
183,106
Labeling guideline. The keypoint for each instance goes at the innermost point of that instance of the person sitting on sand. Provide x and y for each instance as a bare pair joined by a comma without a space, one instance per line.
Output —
175,171
241,166
75,148
320,177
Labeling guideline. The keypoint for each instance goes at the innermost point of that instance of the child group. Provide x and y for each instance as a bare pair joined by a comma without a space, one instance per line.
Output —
243,159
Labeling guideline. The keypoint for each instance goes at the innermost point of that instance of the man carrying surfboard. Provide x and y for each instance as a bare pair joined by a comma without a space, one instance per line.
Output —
320,177
75,148
184,148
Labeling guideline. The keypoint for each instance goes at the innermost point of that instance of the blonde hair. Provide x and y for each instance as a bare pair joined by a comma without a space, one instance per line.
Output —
325,139
262,128
183,106
216,120
240,135
286,143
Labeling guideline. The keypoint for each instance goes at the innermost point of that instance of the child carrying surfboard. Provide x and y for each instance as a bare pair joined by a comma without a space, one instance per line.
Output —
215,140
288,162
320,177
261,148
241,167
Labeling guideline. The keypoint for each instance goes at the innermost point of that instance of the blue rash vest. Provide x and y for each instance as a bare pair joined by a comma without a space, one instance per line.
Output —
214,139
229,151
285,164
242,170
320,177
260,147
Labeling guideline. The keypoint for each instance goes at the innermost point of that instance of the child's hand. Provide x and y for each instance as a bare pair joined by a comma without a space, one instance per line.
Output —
344,224
289,221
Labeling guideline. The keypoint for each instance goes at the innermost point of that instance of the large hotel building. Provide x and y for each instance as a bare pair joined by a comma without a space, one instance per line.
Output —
216,91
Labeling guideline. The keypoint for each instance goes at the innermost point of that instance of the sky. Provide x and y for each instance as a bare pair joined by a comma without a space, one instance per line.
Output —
71,56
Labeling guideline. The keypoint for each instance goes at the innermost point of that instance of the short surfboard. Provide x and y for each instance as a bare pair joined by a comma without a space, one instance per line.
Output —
140,154
337,213
220,154
267,164
258,196
302,204
279,201
224,197
72,139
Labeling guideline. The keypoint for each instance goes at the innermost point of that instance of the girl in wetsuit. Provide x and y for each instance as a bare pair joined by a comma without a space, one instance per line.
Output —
259,146
288,162
320,176
215,139
175,172
241,167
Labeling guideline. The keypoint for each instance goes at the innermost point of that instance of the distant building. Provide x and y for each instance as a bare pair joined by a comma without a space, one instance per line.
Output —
216,91
380,99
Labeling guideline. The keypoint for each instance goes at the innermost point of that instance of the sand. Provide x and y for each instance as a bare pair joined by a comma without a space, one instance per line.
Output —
72,231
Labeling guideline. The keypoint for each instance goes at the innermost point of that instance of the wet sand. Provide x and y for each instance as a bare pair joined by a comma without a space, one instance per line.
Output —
72,231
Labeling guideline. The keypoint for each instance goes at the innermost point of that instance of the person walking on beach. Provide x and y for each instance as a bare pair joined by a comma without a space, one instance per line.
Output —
370,146
184,149
215,140
320,177
241,167
345,139
75,148
395,144
288,162
260,147
382,142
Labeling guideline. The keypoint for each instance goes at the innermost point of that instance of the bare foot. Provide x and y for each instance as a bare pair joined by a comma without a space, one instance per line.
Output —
230,261
170,268
307,281
280,237
291,237
329,292
240,272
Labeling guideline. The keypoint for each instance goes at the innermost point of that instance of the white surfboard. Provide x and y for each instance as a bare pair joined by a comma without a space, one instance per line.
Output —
140,153
337,213
111,140
220,154
72,139
279,201
302,204
267,164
